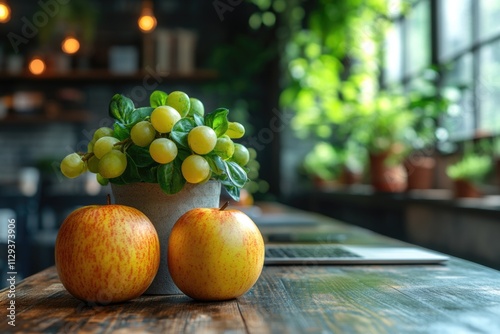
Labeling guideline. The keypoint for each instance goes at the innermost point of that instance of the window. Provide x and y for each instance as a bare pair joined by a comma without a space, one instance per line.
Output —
461,37
488,88
460,120
408,44
454,21
417,38
393,68
489,12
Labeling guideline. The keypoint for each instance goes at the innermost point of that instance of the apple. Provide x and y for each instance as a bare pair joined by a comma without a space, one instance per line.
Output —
215,254
107,253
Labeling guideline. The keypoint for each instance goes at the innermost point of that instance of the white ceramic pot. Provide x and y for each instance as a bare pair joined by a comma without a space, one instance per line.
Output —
164,210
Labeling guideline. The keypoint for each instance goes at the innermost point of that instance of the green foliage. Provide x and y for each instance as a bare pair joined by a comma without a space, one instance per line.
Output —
333,65
327,161
428,102
158,98
76,16
471,168
384,123
218,121
324,161
475,164
142,168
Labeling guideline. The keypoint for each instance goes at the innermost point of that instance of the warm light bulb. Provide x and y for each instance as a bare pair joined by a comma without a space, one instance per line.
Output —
4,12
147,22
70,45
37,66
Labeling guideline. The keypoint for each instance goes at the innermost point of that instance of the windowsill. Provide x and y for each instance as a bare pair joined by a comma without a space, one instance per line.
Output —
435,197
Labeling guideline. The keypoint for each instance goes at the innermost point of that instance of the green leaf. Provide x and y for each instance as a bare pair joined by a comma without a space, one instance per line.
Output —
138,115
180,131
233,191
121,131
217,120
131,174
183,153
235,173
198,120
216,164
120,106
158,98
118,180
170,177
149,174
141,156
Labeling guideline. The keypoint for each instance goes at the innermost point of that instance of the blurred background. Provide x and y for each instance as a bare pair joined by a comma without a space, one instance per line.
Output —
381,113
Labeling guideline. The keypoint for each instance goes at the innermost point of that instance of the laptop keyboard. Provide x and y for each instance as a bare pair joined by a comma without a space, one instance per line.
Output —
309,252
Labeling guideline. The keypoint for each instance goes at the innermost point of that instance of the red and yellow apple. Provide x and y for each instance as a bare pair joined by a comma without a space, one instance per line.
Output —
107,253
215,254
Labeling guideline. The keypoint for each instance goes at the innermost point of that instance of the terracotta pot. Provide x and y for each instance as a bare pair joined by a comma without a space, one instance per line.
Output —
164,210
464,188
420,172
386,178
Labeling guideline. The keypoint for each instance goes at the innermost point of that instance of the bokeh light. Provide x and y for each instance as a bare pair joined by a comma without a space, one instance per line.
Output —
4,12
37,66
147,22
70,45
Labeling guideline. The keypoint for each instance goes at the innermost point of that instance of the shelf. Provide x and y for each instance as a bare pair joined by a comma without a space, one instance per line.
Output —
107,76
363,195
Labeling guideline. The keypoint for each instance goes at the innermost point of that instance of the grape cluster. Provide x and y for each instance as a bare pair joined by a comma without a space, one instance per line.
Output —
171,142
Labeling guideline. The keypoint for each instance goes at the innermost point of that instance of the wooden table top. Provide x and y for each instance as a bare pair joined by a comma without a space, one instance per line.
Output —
457,297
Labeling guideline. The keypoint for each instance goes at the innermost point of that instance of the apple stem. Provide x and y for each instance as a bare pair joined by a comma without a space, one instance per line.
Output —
224,206
108,199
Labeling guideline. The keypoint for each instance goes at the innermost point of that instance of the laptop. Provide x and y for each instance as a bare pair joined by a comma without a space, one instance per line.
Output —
283,254
285,220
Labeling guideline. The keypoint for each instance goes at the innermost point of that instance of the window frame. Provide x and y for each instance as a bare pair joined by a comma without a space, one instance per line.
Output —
474,49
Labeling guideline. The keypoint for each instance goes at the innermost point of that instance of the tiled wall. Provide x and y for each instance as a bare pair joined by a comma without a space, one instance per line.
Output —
23,145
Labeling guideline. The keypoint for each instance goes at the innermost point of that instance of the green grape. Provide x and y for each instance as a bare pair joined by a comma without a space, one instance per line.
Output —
112,164
196,107
202,139
195,169
143,133
102,132
241,155
90,146
163,118
179,101
224,147
101,180
93,164
253,153
235,130
163,150
104,145
72,165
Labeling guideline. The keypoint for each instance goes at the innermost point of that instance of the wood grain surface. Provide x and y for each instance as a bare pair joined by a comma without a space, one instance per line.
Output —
457,297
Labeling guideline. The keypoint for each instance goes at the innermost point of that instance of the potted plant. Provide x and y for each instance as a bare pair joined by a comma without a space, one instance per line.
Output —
471,169
496,155
332,62
332,165
165,159
427,102
381,125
